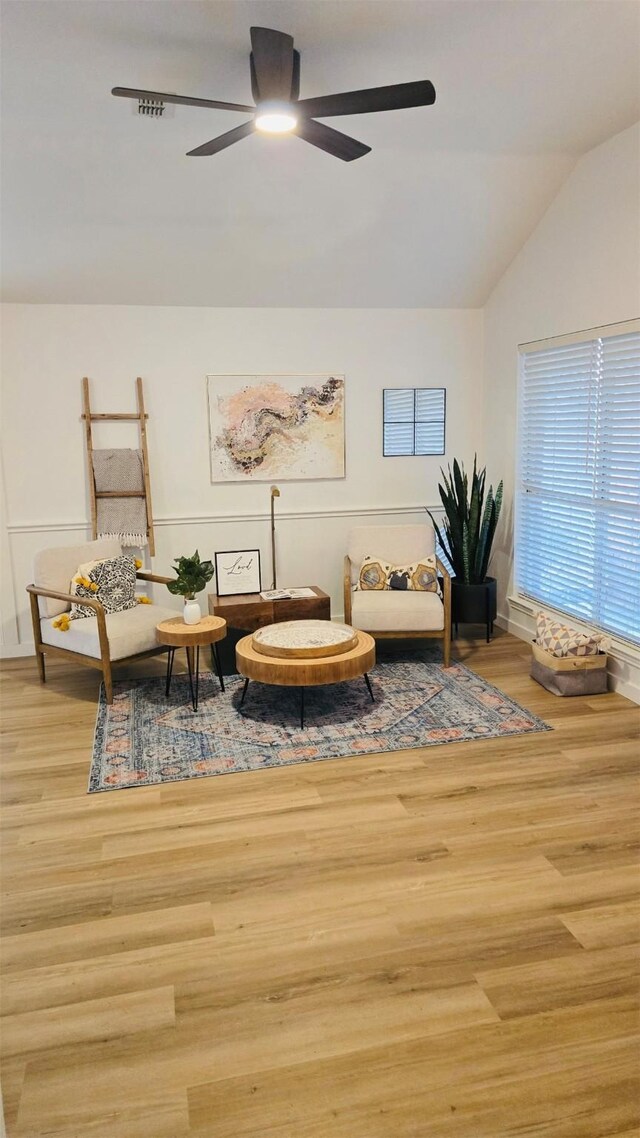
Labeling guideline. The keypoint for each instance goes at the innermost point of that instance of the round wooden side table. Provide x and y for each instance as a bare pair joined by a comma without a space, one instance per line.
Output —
304,663
176,634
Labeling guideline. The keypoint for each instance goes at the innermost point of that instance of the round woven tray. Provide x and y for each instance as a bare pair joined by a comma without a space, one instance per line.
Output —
304,639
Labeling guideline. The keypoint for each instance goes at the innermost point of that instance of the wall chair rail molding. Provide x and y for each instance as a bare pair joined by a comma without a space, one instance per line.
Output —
222,519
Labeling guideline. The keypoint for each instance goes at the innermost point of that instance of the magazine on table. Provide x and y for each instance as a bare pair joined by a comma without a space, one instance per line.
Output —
286,594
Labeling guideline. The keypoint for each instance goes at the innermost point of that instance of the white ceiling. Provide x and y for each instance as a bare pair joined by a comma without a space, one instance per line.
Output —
102,207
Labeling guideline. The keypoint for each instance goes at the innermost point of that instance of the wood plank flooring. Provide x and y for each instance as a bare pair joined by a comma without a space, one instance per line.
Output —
437,943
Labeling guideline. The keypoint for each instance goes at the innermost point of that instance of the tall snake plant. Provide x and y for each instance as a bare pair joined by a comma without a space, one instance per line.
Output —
470,523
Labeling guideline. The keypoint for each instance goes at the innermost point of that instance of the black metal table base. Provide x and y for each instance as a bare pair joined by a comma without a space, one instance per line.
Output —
246,685
194,679
215,660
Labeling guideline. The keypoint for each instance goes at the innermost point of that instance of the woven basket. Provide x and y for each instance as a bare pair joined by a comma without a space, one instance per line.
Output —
569,675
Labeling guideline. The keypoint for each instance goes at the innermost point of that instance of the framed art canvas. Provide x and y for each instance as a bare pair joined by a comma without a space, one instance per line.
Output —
266,428
238,571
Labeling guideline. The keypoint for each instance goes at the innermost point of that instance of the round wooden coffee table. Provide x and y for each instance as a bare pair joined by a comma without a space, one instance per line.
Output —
288,657
176,634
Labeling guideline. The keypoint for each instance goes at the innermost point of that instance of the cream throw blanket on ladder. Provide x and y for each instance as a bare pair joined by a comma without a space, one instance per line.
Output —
124,518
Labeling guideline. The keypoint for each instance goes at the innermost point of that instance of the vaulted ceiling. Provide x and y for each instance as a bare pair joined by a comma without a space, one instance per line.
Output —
102,206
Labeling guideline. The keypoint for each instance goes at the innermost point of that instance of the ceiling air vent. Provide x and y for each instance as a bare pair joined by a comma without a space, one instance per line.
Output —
153,109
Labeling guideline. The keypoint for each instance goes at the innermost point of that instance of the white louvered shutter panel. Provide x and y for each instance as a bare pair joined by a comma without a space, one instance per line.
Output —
413,420
398,420
430,415
578,498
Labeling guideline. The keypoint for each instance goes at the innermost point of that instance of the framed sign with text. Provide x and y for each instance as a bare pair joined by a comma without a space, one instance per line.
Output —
238,571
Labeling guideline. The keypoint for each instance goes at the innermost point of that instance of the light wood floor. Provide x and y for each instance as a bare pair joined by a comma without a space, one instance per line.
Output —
436,943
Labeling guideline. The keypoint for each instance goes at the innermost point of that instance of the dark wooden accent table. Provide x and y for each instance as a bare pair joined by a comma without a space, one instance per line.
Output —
250,611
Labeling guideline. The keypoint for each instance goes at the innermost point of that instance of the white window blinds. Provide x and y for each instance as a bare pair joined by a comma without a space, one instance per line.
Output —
578,494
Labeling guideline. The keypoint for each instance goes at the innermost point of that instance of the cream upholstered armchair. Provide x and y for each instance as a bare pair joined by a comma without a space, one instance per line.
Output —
99,641
394,613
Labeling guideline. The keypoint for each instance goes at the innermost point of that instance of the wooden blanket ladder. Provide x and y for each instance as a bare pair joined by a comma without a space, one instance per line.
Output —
141,419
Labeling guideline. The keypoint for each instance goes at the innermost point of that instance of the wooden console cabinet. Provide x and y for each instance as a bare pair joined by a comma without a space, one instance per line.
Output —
251,611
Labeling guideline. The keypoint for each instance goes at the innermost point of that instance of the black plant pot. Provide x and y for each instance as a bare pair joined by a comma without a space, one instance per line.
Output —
474,604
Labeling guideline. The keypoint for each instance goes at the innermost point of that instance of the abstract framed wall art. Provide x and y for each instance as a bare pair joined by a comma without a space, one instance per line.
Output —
265,428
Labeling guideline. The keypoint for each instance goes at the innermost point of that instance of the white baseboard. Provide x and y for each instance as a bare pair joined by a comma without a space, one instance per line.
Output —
624,677
519,628
12,651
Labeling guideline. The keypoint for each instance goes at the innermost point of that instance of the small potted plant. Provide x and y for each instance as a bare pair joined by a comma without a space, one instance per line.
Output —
192,575
466,538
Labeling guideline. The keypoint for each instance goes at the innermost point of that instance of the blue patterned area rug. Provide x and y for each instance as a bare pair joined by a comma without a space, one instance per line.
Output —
143,738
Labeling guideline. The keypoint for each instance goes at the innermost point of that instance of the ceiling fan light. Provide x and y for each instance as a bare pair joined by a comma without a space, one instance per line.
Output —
275,117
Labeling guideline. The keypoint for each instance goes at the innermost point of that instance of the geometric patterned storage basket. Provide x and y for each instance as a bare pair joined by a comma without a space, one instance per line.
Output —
569,675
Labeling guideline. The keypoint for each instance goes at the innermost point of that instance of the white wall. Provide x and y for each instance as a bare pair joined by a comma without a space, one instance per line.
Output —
579,269
48,348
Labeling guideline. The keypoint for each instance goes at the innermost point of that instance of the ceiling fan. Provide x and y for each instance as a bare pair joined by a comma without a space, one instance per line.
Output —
275,86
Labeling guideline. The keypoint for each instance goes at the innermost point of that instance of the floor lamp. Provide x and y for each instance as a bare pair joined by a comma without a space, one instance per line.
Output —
275,493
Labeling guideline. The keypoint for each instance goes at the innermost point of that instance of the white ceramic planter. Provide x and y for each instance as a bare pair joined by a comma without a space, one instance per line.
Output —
191,612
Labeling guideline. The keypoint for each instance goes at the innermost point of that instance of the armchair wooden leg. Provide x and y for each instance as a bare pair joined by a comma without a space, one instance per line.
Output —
108,681
37,640
446,644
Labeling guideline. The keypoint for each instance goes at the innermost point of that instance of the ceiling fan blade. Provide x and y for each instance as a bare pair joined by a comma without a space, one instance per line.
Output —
159,96
393,98
295,80
326,138
273,63
222,141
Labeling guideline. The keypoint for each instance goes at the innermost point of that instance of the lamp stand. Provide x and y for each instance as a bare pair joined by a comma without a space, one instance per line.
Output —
275,493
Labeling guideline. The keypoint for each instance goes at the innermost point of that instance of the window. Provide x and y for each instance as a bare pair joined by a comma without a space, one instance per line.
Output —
578,492
413,420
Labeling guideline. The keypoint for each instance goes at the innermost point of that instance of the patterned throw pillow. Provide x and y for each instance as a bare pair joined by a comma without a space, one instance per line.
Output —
373,574
111,581
421,576
560,640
